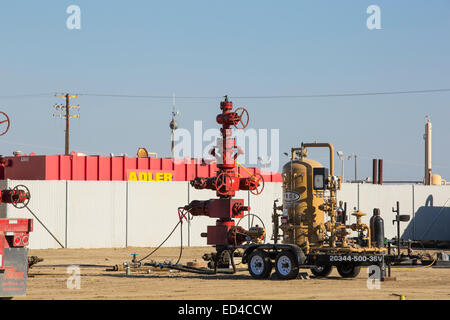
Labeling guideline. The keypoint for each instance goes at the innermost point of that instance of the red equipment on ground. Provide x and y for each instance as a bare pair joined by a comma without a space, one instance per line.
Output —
14,238
225,235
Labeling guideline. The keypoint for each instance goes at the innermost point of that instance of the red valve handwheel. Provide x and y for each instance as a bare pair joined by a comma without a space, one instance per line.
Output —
223,180
243,116
4,121
256,184
20,196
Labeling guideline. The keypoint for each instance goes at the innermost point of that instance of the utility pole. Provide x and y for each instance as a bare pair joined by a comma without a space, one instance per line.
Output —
67,115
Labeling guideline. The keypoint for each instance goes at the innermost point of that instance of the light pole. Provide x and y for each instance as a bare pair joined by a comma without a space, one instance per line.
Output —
353,155
342,158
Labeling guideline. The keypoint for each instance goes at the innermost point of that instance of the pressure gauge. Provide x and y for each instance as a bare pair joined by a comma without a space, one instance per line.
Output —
318,181
320,178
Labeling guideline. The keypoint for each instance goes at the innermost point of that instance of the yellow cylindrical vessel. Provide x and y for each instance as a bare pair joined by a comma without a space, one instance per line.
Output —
436,180
303,221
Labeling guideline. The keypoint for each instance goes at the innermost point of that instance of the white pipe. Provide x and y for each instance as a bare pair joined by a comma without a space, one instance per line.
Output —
427,137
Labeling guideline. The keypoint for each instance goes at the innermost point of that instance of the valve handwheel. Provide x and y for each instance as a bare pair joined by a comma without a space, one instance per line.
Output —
20,196
223,180
251,225
243,118
256,184
4,121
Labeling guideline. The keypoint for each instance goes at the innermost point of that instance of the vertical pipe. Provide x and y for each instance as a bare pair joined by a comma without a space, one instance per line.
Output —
427,137
375,171
380,171
189,215
397,218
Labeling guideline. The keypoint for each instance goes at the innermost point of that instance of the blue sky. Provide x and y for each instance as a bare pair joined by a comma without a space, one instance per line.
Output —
239,48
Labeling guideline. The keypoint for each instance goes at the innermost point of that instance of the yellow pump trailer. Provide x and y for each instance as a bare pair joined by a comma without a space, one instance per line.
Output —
313,229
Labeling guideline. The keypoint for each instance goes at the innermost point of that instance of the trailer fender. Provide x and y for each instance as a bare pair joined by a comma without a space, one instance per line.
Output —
296,250
299,254
248,251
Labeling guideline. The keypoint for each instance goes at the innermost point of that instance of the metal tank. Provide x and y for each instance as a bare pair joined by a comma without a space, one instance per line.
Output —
302,220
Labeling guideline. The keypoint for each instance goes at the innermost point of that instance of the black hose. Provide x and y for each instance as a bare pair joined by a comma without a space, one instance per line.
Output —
170,234
68,265
167,238
188,268
181,244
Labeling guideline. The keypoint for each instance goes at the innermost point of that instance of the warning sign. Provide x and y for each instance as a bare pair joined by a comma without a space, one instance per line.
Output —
13,275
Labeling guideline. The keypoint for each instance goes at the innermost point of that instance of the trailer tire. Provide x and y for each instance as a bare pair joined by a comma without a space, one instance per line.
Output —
348,270
259,264
286,265
322,271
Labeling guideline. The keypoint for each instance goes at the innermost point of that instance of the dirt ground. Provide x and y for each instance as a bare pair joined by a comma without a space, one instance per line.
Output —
97,283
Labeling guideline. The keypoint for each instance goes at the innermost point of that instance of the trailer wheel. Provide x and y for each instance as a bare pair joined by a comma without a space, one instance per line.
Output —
259,264
348,270
286,265
322,271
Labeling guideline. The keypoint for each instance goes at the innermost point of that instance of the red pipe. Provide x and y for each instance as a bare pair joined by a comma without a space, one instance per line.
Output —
375,171
380,171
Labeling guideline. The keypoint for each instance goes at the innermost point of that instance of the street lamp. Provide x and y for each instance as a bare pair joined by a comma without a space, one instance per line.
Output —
353,155
342,158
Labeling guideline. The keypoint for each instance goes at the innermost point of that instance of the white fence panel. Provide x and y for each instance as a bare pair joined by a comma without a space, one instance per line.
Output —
348,194
153,212
385,197
431,220
48,203
96,214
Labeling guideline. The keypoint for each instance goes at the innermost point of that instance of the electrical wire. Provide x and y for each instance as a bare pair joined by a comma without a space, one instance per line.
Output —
26,96
326,95
352,94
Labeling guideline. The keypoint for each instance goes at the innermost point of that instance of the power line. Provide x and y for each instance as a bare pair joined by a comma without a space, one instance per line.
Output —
32,95
327,95
145,96
354,94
